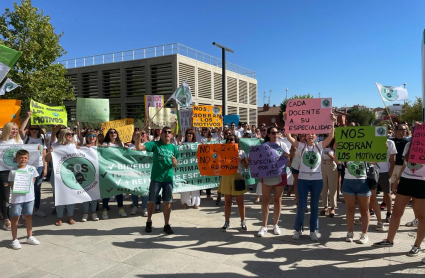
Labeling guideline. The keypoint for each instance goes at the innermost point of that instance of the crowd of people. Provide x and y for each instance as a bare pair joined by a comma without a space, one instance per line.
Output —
313,169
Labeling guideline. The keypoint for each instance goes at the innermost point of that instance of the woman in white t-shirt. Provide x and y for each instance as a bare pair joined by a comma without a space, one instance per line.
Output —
9,136
309,179
35,136
411,185
295,164
112,139
65,138
277,183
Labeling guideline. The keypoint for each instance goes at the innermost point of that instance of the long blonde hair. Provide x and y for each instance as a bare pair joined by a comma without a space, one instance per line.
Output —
62,137
7,130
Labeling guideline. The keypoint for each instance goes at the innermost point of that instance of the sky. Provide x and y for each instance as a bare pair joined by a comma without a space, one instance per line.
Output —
337,48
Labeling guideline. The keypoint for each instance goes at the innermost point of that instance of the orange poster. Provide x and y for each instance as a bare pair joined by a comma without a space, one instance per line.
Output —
207,116
10,111
218,159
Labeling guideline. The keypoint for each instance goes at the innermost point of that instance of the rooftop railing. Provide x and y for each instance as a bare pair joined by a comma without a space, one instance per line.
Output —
151,52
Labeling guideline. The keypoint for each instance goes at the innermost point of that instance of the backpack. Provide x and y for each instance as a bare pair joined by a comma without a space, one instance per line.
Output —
372,175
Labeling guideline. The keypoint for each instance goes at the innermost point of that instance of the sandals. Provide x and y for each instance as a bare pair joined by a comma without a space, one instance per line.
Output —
184,206
71,221
59,222
323,211
196,207
332,213
209,197
218,201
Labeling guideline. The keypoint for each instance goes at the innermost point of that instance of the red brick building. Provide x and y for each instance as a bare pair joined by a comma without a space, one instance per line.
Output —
268,115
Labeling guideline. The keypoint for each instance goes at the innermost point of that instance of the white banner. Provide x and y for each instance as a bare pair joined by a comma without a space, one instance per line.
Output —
390,93
8,86
76,174
185,120
8,154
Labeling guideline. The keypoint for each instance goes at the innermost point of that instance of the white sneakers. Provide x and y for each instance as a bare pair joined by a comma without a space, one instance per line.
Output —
276,230
94,216
145,212
313,236
380,226
16,245
262,232
85,217
297,235
363,238
134,210
122,212
349,237
105,215
39,213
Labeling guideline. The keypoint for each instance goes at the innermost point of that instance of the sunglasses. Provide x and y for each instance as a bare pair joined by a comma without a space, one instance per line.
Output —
189,133
142,133
34,128
166,131
228,133
204,130
232,125
274,132
263,130
91,136
112,132
68,133
230,139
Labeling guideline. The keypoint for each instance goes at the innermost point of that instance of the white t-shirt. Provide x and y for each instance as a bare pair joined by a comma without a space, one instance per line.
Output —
200,138
285,141
36,141
310,157
113,145
236,133
11,142
18,198
325,155
414,171
384,167
355,170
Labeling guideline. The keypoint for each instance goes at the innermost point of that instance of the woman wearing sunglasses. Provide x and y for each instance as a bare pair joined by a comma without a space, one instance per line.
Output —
36,136
191,198
112,139
277,183
65,137
234,185
310,179
90,140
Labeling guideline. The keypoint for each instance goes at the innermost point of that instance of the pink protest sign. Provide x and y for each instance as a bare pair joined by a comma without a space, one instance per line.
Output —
417,150
310,115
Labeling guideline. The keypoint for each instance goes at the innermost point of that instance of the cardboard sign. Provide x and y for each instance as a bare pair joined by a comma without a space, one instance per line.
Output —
10,111
22,182
228,119
126,133
159,118
185,120
207,116
266,161
246,143
310,115
218,159
417,149
93,110
115,124
361,143
156,101
48,115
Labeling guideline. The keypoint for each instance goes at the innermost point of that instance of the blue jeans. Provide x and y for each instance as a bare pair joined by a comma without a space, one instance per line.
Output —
120,201
315,187
69,210
135,199
25,208
93,206
37,187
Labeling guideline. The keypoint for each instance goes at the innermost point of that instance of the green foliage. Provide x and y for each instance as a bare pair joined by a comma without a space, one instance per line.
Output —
363,117
28,30
283,104
412,112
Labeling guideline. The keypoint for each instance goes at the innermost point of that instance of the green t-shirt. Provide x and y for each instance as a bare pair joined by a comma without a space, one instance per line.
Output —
162,168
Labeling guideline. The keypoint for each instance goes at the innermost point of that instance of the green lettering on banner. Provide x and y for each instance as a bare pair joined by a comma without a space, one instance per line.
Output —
48,115
361,143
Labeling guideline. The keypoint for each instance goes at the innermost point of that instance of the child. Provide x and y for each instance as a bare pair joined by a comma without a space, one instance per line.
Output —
22,203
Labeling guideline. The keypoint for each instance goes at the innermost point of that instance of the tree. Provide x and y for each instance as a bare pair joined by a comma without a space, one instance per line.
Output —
29,31
413,112
283,104
363,117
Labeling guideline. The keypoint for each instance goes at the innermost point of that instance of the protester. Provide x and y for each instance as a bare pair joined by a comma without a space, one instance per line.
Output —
9,136
309,179
36,136
65,138
268,184
234,185
295,157
112,139
164,159
330,179
23,203
258,190
234,130
410,184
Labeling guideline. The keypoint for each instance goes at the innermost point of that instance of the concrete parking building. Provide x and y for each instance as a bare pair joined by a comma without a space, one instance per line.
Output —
125,77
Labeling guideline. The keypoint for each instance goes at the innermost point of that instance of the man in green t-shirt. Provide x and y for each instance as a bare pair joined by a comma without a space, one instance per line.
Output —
164,159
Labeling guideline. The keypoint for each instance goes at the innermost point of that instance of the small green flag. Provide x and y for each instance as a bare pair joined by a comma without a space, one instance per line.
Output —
9,56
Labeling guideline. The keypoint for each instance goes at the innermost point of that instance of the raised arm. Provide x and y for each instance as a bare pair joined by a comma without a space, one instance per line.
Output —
138,143
80,138
23,125
328,139
292,140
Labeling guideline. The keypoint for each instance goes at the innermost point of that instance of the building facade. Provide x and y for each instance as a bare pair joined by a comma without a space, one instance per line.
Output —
125,77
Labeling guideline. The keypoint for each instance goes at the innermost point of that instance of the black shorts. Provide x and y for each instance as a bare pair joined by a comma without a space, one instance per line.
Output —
412,188
384,182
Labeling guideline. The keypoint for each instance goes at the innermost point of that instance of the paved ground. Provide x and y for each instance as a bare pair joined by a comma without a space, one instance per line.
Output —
118,247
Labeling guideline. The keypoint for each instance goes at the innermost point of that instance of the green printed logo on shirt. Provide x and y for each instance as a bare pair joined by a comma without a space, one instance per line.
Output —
357,169
414,166
311,159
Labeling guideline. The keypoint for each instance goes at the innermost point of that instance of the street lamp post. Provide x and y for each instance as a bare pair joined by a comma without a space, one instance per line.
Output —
286,93
223,74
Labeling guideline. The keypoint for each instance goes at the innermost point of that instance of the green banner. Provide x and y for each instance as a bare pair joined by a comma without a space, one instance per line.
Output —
361,143
48,115
93,110
245,145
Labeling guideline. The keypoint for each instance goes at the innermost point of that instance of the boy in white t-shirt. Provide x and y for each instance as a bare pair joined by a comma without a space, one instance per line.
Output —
22,197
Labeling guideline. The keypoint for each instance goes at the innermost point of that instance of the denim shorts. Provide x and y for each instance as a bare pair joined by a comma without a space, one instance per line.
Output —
357,187
167,191
295,171
25,208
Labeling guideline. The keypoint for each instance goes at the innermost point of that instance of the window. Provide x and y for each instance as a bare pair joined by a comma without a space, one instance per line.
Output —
273,120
